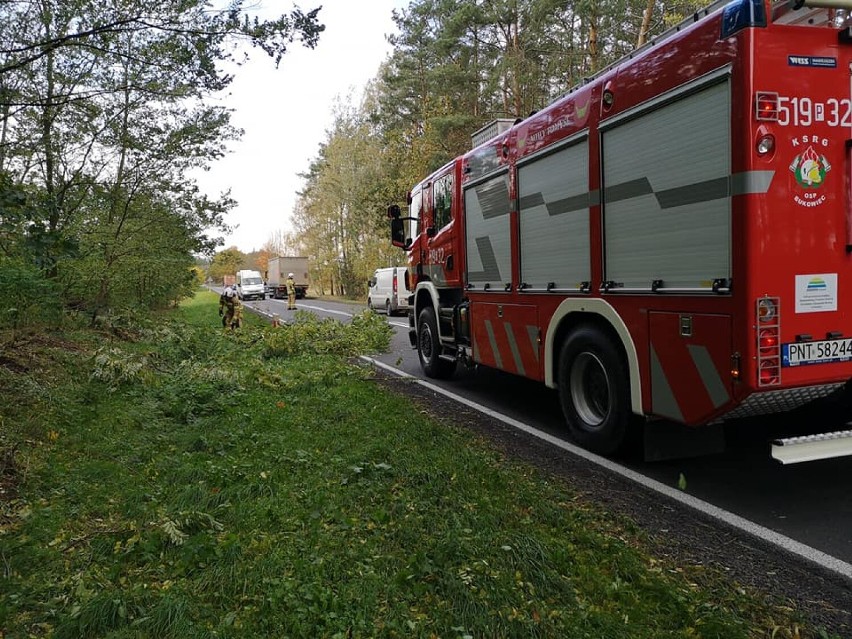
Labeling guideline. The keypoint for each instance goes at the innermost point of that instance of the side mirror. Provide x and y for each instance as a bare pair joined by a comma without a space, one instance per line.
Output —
394,212
398,233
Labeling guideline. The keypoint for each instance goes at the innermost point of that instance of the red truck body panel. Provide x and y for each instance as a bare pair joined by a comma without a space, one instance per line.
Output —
644,202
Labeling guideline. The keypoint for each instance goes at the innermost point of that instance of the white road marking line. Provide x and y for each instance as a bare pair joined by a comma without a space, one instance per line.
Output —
324,310
799,549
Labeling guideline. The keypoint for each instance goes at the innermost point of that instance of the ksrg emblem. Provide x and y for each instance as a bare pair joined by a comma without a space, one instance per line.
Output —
810,167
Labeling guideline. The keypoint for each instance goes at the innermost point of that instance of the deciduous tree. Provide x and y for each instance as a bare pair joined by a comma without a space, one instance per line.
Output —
104,114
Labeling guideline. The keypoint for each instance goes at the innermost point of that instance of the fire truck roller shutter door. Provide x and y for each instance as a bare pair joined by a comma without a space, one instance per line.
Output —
554,219
488,233
666,190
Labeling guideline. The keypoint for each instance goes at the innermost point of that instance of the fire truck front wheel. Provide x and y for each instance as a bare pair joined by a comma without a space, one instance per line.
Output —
594,390
429,347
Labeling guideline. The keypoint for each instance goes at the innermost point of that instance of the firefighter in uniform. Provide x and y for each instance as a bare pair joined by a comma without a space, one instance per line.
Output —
291,292
230,308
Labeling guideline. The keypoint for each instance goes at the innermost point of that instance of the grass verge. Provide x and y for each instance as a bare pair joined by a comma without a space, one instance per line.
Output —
170,479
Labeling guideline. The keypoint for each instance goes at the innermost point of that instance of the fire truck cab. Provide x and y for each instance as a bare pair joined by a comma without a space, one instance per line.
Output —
669,241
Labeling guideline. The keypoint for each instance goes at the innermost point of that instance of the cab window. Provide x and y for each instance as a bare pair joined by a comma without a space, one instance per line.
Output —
415,211
442,198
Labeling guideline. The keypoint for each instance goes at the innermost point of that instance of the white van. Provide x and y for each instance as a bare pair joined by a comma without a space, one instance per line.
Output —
389,290
250,285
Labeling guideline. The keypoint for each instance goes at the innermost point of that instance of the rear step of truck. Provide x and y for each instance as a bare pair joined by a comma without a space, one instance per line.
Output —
794,450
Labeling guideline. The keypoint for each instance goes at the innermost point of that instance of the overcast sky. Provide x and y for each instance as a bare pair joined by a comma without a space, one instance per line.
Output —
286,112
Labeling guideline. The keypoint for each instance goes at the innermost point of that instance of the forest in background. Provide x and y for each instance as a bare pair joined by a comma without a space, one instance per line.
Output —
106,109
455,66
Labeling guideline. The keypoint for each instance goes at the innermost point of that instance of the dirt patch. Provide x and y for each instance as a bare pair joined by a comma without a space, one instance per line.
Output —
13,365
24,353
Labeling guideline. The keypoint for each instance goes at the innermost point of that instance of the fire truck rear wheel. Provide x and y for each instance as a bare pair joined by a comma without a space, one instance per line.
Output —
429,347
594,390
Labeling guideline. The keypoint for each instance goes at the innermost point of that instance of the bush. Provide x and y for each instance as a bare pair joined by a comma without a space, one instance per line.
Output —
30,299
367,333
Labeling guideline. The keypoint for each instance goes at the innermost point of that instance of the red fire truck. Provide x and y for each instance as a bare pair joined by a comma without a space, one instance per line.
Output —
669,241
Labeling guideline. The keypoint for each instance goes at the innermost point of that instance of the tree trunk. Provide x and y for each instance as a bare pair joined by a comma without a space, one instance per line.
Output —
646,24
593,45
516,81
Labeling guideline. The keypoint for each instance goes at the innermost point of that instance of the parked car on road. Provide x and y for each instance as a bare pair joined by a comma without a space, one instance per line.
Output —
389,290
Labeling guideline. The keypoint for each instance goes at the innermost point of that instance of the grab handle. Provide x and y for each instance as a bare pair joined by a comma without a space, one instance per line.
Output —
848,203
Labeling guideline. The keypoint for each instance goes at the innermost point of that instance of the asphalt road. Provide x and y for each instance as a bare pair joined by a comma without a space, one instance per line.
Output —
809,503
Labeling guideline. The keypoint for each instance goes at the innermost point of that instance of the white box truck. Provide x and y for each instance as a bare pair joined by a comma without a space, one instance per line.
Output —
279,268
250,285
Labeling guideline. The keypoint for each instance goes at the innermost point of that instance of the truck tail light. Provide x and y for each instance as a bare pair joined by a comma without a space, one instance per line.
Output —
767,310
769,373
394,282
768,341
766,106
768,335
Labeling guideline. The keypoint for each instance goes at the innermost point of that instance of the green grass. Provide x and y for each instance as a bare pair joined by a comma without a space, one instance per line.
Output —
182,481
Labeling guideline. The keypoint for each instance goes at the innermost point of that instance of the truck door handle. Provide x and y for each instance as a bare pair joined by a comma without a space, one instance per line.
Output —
848,196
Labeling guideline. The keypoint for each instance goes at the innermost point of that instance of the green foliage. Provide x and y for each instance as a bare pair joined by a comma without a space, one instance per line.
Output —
303,500
23,233
196,277
141,259
115,367
274,36
367,333
226,262
29,299
16,213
